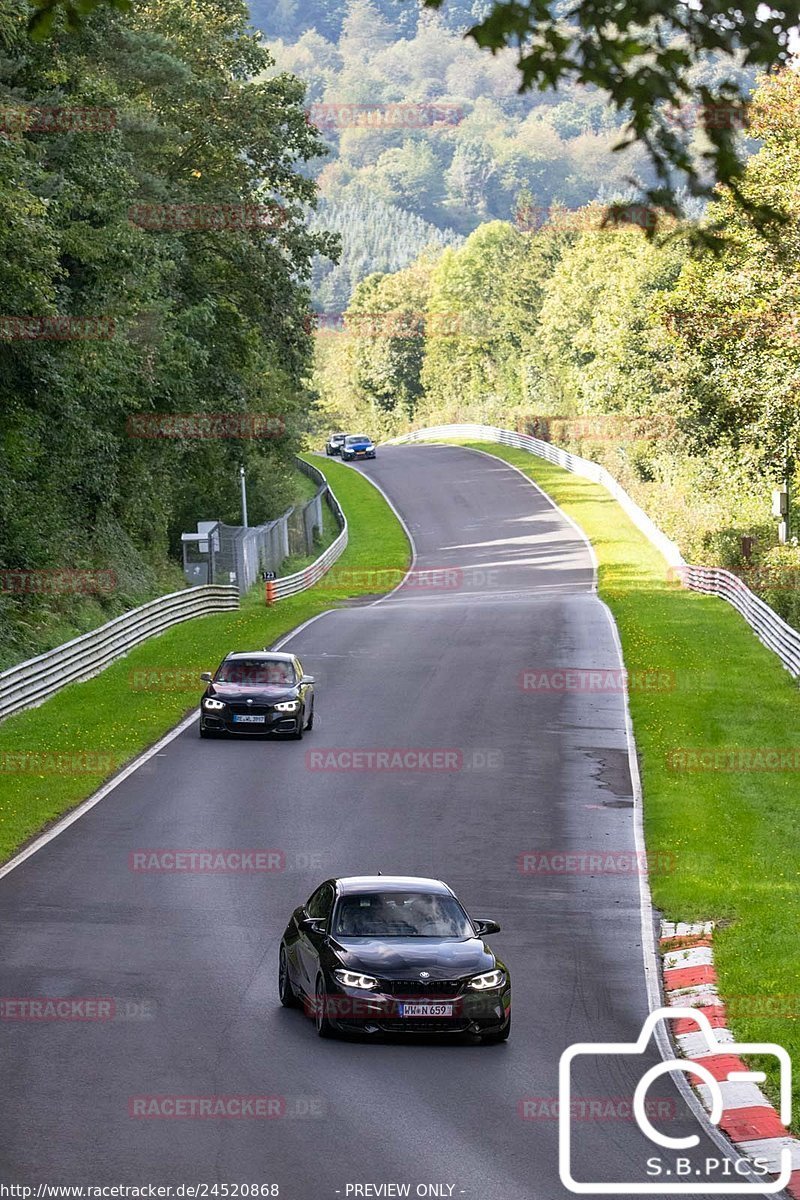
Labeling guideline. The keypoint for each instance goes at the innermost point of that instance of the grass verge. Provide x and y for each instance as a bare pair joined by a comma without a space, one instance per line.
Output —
731,838
54,756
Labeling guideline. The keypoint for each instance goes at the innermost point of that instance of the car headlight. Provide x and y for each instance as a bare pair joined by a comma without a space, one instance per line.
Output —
354,979
288,706
213,705
489,979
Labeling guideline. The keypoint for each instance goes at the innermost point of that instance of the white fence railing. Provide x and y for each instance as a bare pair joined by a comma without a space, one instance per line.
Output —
289,585
771,629
31,682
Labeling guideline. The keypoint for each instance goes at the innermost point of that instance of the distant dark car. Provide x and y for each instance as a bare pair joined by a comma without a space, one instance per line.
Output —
357,445
393,954
334,443
258,692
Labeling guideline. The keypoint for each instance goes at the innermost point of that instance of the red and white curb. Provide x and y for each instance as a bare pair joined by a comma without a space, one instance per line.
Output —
690,981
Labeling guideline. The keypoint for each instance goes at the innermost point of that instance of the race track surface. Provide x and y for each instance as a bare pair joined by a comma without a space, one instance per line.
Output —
191,959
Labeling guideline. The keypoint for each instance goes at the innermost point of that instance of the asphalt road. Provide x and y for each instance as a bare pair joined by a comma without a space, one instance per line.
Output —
191,959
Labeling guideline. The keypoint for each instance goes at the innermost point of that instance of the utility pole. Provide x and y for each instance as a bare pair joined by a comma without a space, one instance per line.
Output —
244,496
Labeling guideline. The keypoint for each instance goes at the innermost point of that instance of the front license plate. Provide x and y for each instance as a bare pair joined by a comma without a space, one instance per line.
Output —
426,1010
248,719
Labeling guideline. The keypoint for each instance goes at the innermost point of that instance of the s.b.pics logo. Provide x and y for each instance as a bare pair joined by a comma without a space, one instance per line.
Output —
724,1083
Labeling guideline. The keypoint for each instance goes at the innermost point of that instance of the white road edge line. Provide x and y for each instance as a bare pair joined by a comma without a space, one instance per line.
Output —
84,807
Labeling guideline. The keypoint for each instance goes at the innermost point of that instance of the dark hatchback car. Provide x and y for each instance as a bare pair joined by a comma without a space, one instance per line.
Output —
334,443
257,693
357,445
393,954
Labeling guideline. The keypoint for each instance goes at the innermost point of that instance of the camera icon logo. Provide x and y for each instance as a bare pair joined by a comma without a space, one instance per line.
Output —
668,1066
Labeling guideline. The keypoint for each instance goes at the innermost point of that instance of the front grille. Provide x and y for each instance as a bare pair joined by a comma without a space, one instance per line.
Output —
428,990
254,710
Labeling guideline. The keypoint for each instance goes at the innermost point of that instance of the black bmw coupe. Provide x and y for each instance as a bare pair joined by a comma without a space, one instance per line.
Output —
252,693
393,954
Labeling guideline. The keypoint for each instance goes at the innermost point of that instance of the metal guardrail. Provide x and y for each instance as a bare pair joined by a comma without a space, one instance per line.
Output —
289,585
31,682
771,629
35,680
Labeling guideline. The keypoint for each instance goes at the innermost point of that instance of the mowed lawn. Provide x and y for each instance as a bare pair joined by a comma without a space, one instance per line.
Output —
731,837
54,756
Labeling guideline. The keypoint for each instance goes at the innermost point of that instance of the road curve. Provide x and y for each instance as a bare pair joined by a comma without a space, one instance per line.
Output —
191,959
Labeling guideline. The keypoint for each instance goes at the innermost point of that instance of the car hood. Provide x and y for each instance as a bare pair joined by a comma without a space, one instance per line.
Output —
404,958
270,694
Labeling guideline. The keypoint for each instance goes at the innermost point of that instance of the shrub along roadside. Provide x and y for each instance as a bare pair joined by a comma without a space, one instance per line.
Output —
105,722
732,837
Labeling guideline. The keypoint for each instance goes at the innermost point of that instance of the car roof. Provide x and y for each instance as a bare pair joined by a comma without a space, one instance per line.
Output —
391,883
261,655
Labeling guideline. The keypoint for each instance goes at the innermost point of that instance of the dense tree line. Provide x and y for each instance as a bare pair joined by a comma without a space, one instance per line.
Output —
679,370
154,258
375,236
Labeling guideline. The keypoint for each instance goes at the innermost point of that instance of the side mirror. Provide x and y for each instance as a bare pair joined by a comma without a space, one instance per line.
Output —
307,679
207,676
483,927
313,924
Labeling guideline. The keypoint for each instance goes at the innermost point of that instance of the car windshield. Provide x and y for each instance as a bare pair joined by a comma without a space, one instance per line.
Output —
401,914
358,437
256,672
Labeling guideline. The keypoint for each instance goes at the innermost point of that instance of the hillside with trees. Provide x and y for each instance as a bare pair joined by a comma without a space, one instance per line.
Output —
146,271
678,370
420,121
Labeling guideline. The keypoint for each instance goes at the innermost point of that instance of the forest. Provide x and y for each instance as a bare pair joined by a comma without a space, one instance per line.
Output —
154,261
678,369
420,121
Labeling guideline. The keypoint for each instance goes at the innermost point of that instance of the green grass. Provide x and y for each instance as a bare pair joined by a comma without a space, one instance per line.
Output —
126,708
734,836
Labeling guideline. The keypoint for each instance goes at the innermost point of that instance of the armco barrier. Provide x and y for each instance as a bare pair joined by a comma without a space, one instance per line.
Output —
31,682
290,584
771,629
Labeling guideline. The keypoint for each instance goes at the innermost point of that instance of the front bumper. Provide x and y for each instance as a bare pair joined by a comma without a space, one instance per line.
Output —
359,454
380,1011
222,722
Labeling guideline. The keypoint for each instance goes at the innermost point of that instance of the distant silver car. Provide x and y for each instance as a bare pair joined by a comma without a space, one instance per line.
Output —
334,443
